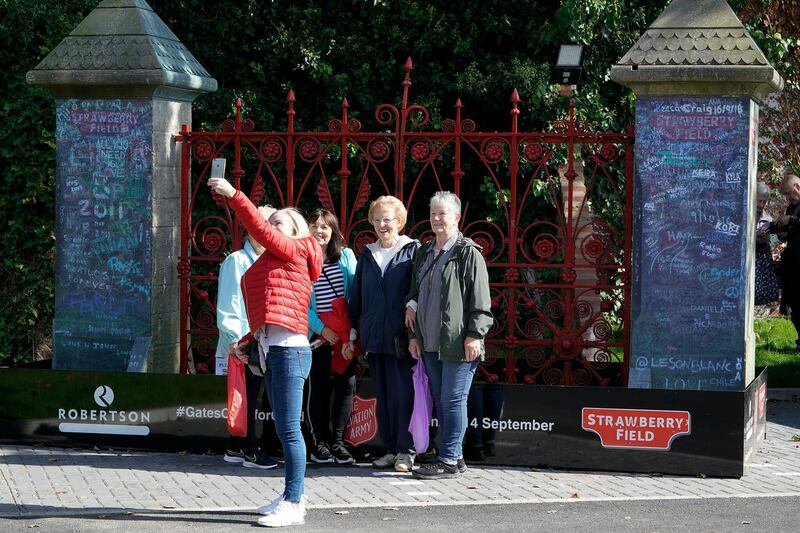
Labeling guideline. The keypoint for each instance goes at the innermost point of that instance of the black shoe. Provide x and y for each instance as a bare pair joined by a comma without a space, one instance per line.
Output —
341,455
461,465
431,456
234,456
321,454
437,470
259,460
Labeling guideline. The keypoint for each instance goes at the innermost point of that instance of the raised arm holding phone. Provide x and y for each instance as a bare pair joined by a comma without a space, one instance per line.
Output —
276,291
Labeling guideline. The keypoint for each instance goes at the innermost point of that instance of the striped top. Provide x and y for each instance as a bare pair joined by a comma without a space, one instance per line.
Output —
329,286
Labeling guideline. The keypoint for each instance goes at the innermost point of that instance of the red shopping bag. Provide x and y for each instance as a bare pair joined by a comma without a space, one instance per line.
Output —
337,320
237,398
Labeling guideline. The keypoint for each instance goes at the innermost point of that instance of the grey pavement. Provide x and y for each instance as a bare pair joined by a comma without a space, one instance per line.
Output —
49,482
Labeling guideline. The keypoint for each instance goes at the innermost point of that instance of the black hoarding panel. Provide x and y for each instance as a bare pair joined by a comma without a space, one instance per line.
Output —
592,428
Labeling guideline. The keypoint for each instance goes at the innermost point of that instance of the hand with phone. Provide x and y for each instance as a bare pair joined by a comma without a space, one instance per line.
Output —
217,180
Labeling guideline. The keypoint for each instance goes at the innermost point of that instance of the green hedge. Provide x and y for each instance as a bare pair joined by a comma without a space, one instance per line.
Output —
29,29
476,49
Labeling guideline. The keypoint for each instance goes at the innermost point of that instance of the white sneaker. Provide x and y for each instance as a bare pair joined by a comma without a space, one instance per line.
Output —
285,514
271,506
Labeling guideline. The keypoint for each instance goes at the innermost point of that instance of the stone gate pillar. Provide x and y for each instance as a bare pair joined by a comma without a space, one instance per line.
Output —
123,84
698,77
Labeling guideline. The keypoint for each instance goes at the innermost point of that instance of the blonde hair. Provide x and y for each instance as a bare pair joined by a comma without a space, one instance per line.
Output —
298,222
266,211
393,203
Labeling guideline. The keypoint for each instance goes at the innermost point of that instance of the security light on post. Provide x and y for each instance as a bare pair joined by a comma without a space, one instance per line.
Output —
567,70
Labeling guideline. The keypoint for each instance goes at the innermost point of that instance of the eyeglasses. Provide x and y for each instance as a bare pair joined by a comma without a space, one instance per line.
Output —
384,221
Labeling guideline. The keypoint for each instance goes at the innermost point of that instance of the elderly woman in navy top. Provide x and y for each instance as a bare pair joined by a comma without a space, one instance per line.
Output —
326,420
449,310
382,278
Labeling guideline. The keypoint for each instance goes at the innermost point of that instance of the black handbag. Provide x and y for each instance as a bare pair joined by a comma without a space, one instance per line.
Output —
401,346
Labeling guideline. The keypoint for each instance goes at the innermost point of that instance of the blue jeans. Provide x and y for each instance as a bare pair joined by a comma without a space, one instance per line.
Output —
450,382
287,370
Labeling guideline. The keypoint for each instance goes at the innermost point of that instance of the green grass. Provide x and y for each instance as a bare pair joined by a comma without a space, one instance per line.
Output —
776,350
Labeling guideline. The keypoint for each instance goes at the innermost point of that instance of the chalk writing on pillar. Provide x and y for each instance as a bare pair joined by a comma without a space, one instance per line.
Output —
103,199
692,167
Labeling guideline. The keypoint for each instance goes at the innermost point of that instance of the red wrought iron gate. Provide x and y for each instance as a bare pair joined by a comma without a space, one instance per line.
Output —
552,211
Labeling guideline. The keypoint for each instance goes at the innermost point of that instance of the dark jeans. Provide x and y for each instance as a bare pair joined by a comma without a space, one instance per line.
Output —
287,370
394,389
325,420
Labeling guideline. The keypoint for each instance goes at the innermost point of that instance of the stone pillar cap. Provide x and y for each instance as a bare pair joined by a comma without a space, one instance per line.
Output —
697,47
122,48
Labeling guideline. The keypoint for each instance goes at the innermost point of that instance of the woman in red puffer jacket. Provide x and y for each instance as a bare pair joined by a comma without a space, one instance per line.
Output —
276,291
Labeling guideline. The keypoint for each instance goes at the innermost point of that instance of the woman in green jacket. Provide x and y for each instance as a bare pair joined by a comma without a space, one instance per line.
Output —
449,314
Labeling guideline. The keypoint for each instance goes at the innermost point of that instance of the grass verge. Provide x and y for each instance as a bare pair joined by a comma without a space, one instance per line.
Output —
775,349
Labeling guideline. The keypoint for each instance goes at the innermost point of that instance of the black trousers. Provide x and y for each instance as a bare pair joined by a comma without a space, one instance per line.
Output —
325,418
485,401
792,300
248,444
256,396
394,389
790,296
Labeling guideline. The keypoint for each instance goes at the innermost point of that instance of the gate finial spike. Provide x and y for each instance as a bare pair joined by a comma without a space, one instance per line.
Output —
290,96
344,102
514,109
409,65
459,105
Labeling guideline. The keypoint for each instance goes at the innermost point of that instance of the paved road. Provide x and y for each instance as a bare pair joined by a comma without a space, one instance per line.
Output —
729,515
179,492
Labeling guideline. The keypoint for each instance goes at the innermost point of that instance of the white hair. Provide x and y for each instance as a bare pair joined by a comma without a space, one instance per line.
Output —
447,199
762,189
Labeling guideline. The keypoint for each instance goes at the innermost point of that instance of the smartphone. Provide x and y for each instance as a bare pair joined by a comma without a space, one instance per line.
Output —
218,168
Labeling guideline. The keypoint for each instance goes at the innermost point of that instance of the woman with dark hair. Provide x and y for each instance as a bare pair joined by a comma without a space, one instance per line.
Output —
331,370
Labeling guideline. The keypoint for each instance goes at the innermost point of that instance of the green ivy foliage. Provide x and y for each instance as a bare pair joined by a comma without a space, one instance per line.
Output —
29,29
478,50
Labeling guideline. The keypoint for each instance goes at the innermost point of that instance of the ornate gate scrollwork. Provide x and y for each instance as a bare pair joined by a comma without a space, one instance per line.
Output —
552,212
